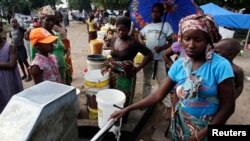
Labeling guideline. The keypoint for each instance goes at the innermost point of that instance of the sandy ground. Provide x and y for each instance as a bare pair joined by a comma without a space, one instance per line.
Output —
80,49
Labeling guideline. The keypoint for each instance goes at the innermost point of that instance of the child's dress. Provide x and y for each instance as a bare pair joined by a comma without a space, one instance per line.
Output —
49,67
10,80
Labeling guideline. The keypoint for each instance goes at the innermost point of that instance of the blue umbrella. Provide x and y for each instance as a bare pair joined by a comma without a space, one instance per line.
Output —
140,11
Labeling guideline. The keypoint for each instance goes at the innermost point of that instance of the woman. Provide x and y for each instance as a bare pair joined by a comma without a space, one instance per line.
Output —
123,52
91,27
204,80
63,32
10,80
47,19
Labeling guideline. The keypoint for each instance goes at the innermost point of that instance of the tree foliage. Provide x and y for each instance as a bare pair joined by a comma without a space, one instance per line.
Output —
25,6
112,4
40,3
79,4
12,6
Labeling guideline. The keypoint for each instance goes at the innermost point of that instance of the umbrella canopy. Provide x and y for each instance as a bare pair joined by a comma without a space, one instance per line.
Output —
140,11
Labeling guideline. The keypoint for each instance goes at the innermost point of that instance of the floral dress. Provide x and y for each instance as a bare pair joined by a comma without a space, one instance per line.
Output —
49,67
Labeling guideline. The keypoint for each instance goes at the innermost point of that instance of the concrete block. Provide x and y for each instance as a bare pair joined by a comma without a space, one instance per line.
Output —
45,112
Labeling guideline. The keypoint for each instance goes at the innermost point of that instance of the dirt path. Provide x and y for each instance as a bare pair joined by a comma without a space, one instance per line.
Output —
80,49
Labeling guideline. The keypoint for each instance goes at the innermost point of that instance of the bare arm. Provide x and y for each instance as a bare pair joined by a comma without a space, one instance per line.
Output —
152,99
132,29
167,56
12,61
169,40
238,81
145,60
140,38
26,34
36,73
227,105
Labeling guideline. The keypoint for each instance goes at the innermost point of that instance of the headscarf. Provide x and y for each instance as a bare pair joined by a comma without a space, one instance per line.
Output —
45,11
201,22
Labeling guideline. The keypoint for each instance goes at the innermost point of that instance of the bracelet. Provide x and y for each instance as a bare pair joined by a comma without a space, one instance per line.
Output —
196,136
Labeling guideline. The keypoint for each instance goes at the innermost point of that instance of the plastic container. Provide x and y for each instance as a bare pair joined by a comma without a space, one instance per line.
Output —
138,58
93,113
106,99
94,81
96,46
95,61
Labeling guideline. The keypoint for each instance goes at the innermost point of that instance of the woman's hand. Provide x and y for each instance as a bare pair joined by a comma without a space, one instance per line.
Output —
119,114
158,49
192,138
105,70
26,34
136,70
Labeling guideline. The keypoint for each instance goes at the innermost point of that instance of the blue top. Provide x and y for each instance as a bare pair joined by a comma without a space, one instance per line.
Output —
212,73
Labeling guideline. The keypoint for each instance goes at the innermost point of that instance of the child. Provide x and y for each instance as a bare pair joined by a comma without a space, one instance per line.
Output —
10,80
108,37
17,35
156,35
44,66
229,49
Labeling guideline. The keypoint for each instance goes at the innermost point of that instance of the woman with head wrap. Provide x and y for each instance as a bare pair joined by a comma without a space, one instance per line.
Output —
48,20
123,51
204,80
58,27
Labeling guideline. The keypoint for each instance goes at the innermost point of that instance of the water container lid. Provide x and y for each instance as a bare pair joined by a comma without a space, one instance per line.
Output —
96,57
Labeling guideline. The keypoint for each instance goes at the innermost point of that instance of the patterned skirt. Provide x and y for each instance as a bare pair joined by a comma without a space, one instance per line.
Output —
185,125
123,78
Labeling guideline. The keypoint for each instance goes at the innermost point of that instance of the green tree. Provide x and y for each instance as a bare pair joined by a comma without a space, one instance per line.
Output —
79,5
112,4
12,6
40,3
25,6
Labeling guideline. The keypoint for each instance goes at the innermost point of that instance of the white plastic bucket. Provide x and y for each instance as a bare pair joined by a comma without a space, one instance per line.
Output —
92,65
95,61
94,81
106,99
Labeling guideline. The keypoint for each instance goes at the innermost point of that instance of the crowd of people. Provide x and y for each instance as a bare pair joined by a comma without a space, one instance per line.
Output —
202,78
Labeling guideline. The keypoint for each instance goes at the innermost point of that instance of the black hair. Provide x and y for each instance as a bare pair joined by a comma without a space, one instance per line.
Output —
91,17
209,39
123,20
59,14
160,6
110,30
